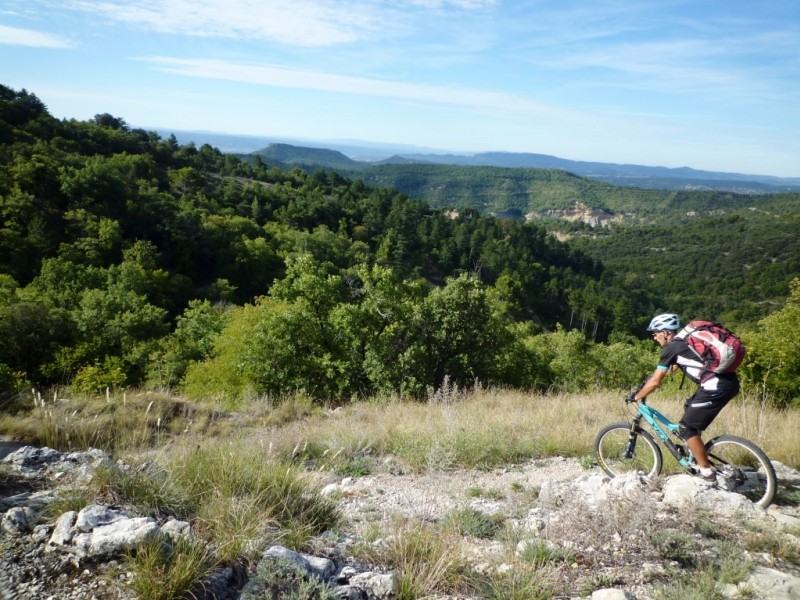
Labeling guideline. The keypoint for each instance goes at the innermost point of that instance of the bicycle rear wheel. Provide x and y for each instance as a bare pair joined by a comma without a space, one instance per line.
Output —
611,449
744,468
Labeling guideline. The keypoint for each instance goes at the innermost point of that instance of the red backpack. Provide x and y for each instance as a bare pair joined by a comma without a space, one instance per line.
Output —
719,349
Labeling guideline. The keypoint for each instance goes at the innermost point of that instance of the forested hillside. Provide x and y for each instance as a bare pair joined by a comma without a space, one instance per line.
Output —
536,190
122,254
710,253
735,265
130,260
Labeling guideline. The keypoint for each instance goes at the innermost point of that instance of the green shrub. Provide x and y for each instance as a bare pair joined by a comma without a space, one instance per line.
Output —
540,552
12,384
240,491
570,363
621,366
166,569
358,466
223,378
522,582
281,580
96,378
427,560
773,354
469,521
193,340
675,545
153,490
690,585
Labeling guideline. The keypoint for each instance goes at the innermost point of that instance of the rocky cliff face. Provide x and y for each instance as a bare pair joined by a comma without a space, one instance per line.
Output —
613,531
579,212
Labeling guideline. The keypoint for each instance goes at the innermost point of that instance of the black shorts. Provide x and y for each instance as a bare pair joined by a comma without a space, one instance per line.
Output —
703,406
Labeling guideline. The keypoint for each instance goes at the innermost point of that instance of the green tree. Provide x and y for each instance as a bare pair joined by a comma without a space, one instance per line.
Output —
196,331
773,352
31,334
376,325
459,334
570,362
283,343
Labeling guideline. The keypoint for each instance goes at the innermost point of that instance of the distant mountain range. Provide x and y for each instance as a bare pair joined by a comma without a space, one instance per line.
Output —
353,156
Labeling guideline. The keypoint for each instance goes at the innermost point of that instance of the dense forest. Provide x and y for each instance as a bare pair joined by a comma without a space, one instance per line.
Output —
127,259
715,253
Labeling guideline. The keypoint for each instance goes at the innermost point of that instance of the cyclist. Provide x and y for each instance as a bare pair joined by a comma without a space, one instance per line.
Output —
704,405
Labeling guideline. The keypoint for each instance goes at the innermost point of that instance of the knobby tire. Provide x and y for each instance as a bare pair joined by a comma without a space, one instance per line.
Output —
744,468
610,446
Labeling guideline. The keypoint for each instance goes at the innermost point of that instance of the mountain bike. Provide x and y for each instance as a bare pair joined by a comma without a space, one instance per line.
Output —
741,466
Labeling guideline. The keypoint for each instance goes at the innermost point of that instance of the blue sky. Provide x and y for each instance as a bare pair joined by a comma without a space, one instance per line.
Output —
707,84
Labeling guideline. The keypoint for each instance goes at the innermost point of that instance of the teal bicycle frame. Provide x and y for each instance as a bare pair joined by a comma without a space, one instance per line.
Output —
681,453
632,447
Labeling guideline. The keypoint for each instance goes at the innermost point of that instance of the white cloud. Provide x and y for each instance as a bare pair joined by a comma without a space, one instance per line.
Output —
13,36
311,23
462,4
296,22
277,76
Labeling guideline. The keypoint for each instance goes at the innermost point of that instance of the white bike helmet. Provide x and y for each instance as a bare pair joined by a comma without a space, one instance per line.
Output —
665,322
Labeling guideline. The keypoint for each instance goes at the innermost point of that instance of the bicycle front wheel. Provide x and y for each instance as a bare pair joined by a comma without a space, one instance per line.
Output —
742,467
616,458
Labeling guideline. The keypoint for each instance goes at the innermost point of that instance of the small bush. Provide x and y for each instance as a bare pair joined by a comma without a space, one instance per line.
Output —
731,565
13,386
491,493
151,489
599,582
472,522
240,492
281,580
232,524
522,582
541,552
776,544
675,545
73,499
427,561
169,569
691,585
358,466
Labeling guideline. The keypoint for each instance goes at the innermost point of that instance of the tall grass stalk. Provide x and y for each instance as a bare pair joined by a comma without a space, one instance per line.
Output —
488,428
151,489
492,427
169,570
242,490
520,582
427,560
111,423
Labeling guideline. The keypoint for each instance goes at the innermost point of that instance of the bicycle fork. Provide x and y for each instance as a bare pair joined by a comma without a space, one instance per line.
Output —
630,448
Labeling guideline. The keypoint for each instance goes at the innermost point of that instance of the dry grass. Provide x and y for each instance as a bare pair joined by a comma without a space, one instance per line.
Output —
427,560
483,428
493,427
115,422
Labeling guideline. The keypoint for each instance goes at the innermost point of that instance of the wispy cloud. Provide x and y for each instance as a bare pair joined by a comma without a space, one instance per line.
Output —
13,36
297,22
311,23
277,76
679,67
459,4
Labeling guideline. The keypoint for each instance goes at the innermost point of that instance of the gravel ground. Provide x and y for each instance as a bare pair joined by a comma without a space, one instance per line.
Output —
430,496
